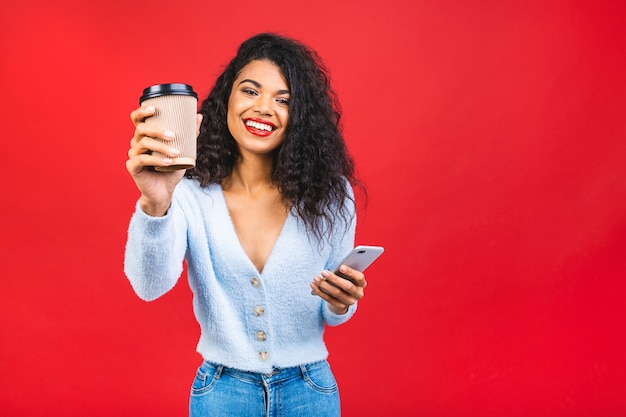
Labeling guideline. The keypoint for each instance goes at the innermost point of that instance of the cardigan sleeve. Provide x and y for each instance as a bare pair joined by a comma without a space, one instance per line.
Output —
155,251
342,243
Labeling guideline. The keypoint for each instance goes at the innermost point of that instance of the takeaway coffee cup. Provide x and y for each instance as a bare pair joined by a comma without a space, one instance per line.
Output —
175,110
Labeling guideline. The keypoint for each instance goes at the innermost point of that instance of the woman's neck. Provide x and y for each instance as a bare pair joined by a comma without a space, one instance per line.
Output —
250,175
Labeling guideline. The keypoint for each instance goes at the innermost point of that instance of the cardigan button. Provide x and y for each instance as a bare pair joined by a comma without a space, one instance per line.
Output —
258,311
255,282
263,356
261,336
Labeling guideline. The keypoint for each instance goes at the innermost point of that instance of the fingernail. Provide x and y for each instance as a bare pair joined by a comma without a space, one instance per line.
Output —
169,134
167,161
174,151
150,108
325,274
343,268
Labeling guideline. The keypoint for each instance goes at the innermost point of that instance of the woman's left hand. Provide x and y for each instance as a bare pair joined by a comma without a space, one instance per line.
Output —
340,293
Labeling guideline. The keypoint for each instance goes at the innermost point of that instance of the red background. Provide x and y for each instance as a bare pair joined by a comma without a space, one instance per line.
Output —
492,137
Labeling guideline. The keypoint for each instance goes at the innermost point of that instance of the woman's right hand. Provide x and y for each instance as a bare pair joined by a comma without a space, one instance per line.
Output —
156,187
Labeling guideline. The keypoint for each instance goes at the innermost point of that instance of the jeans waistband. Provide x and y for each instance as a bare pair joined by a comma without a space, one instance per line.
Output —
277,374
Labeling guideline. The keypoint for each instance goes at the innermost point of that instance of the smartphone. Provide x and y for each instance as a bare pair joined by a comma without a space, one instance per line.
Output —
360,258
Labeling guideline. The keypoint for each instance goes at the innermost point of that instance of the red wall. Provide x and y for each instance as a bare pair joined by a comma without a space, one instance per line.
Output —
491,134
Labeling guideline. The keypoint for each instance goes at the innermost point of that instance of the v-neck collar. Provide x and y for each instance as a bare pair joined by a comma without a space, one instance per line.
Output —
233,234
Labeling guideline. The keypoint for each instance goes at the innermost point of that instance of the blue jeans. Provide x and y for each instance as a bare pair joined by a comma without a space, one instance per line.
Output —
301,391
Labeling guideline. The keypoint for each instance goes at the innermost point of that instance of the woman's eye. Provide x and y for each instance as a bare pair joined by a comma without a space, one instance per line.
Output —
283,101
249,91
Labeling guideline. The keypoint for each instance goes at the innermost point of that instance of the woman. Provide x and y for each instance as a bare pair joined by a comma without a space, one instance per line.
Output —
267,208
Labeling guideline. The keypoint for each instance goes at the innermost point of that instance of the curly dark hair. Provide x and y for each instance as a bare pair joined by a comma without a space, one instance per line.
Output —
312,164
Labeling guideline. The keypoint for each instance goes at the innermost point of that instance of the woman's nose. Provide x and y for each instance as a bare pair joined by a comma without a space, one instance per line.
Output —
263,105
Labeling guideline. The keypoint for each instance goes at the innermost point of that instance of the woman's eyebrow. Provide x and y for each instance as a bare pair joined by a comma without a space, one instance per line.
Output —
258,85
247,80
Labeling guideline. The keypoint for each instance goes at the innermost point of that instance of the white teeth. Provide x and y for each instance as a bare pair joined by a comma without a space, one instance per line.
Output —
260,126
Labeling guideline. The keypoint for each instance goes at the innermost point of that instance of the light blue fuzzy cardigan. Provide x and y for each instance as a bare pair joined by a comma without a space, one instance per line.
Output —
227,299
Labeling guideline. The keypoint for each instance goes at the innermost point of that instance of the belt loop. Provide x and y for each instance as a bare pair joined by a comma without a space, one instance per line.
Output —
305,373
218,372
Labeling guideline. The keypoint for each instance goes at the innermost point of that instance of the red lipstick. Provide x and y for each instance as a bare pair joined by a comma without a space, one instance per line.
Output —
259,127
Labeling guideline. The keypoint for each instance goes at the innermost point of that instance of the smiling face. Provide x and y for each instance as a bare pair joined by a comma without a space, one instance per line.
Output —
258,108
